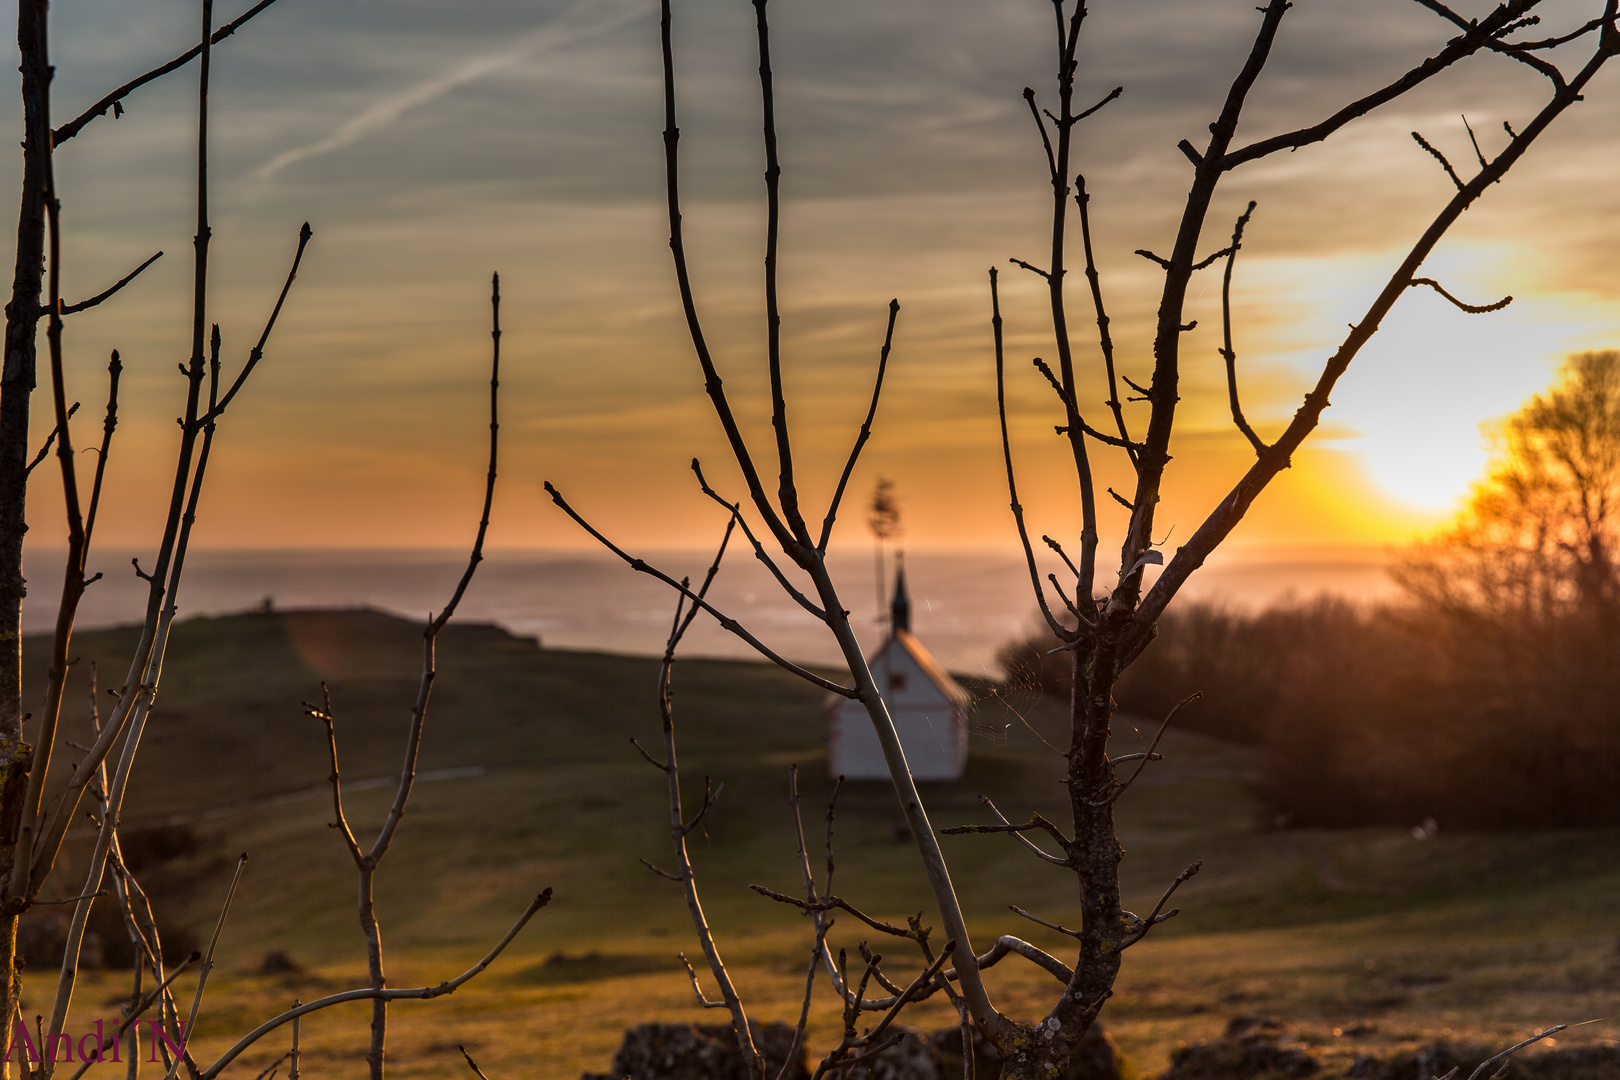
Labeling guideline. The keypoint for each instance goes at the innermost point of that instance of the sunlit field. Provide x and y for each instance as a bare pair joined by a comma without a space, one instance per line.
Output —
1356,940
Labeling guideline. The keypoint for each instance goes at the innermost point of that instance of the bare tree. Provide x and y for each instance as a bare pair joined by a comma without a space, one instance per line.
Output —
32,827
1104,623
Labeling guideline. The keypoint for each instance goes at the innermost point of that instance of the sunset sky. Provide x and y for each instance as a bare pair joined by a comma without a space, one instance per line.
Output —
430,142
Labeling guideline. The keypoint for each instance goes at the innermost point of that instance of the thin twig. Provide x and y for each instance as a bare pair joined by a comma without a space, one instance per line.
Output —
723,619
1227,352
1036,821
83,305
1149,756
471,1064
1105,339
1154,918
45,448
831,903
141,1007
1472,309
1510,1051
208,964
420,993
269,1069
712,383
109,423
1063,632
74,126
257,352
1475,37
696,989
324,714
759,549
865,433
1016,910
1441,158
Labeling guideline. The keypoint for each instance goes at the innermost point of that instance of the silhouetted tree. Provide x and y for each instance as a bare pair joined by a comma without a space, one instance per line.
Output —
1111,618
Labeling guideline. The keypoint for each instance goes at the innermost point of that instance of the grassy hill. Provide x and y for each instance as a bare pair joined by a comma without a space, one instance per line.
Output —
528,780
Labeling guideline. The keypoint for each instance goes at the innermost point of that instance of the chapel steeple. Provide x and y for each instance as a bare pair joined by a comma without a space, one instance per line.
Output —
900,606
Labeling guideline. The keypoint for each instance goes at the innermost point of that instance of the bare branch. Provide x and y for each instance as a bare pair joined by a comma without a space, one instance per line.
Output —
1478,153
420,993
109,423
666,875
710,797
1051,162
257,352
1472,309
1110,96
1007,944
759,549
711,377
140,1008
1016,910
471,1064
1057,547
865,434
835,903
74,126
1036,821
1441,158
1105,339
654,762
1475,37
50,439
917,984
1227,352
1149,756
413,738
208,960
83,305
324,715
723,619
1031,267
1231,509
1154,918
1484,1067
1204,264
269,1071
787,495
696,989
1063,632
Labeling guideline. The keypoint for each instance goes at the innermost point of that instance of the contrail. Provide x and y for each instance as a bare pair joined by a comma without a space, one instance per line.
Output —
573,26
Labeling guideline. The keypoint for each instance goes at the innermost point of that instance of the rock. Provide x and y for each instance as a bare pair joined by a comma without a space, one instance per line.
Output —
280,962
912,1058
1576,1063
948,1050
1249,1049
1096,1058
698,1052
690,1052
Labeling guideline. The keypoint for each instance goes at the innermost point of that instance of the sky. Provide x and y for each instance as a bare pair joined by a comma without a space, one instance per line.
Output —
431,142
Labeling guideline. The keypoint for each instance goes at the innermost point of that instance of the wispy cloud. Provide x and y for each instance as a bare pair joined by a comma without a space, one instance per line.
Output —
583,21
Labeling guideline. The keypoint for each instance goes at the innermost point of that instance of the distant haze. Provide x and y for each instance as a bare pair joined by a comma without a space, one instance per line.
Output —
964,605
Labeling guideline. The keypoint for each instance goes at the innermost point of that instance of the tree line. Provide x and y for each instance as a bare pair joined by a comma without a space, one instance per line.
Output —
1484,697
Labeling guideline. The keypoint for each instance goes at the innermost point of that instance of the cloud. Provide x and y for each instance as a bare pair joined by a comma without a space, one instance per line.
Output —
585,20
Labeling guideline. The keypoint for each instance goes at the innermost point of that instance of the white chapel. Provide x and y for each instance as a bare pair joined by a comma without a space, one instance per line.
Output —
929,709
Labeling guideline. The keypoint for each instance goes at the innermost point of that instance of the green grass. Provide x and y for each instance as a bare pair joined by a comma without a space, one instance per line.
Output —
1393,940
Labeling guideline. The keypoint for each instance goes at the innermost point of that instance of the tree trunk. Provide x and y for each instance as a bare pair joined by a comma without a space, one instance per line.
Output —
16,386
